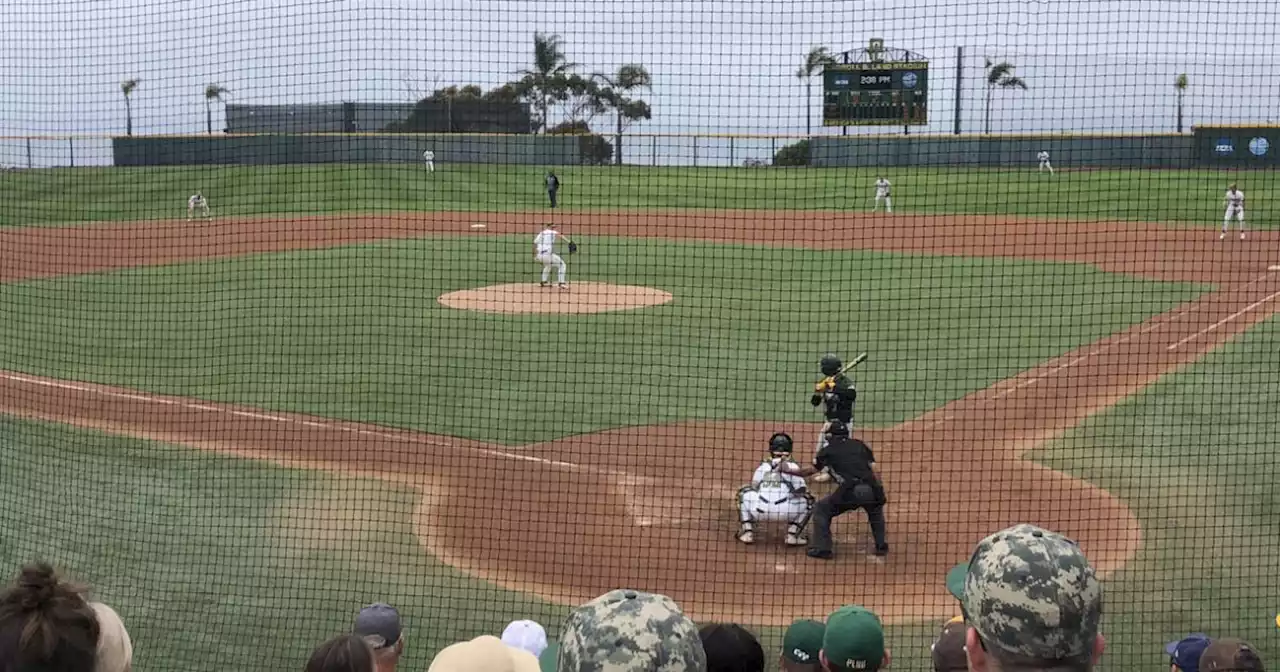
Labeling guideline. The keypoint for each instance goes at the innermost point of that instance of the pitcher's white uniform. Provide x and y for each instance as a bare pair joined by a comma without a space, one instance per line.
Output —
1043,157
544,246
775,496
1235,208
197,201
429,158
883,189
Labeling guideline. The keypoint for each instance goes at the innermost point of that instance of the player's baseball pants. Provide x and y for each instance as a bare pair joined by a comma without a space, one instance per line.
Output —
841,501
754,506
431,165
551,194
204,210
1238,213
888,202
550,261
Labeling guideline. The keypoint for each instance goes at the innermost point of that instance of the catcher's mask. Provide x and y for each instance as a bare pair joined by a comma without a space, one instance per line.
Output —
780,445
830,365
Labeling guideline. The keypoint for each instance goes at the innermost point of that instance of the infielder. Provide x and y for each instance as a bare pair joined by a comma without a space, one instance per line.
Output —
836,395
1043,156
775,496
544,252
429,158
883,188
1235,208
197,201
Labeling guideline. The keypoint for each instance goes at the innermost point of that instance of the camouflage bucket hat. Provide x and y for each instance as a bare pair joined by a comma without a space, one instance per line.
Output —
630,631
1031,593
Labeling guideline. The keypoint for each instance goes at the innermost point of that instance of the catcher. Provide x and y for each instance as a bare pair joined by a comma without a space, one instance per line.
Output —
775,496
544,252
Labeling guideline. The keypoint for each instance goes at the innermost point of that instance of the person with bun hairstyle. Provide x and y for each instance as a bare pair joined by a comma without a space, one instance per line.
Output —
46,624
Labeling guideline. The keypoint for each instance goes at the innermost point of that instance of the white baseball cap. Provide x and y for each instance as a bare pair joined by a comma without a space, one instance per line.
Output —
526,636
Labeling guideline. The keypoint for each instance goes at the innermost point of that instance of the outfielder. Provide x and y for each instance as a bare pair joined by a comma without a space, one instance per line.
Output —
544,252
1043,156
197,201
883,188
553,187
775,496
1235,208
429,158
836,395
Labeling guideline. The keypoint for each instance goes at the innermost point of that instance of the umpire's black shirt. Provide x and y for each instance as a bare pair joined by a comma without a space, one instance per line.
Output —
839,401
849,461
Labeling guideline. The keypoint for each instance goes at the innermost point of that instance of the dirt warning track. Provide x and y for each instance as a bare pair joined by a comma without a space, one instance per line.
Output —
588,513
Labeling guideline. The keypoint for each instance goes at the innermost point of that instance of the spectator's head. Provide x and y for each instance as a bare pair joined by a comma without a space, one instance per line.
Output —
526,636
1230,655
344,653
1032,602
853,641
801,645
483,654
730,648
948,650
115,648
1184,654
379,625
630,631
45,624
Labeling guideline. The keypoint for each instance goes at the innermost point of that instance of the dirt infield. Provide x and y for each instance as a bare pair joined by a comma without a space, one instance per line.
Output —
588,513
582,298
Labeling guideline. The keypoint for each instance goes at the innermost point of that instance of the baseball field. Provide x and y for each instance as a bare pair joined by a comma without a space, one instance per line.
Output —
241,430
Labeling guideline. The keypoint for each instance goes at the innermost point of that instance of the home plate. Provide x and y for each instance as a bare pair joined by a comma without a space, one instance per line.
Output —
477,226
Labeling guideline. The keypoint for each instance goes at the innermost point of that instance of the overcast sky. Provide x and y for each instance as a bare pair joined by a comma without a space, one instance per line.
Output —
717,66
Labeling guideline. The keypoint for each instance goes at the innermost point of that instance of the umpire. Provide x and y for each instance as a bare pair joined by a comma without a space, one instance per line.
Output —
853,466
553,187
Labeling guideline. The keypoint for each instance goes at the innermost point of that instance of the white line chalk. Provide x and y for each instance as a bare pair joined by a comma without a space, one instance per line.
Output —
1221,322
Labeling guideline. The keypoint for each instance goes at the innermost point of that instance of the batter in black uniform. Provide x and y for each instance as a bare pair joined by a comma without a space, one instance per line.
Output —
553,187
853,467
836,395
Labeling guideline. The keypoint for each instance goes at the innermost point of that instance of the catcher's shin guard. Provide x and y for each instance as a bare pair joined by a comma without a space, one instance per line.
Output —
743,514
802,521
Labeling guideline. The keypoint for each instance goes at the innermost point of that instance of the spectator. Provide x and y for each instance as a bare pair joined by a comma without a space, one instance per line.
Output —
379,625
1032,602
115,648
801,645
1231,654
853,642
526,636
948,650
45,624
731,648
483,654
630,631
547,661
1184,654
344,653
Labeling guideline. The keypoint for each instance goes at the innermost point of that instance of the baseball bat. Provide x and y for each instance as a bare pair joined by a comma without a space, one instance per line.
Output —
856,361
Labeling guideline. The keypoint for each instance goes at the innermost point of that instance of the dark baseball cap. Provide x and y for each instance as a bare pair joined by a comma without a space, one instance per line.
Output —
1230,655
948,651
379,624
1185,653
803,641
853,640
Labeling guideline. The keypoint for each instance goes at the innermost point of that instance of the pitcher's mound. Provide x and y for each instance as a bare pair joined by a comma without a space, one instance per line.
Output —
580,298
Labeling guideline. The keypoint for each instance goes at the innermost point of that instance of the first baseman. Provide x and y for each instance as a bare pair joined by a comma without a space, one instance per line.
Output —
775,496
544,251
883,189
1043,157
197,201
429,158
1235,208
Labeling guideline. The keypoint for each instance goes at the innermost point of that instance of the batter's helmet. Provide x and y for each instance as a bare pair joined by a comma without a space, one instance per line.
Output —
837,428
830,365
780,443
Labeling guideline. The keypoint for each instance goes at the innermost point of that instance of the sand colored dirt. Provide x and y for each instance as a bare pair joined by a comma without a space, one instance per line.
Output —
580,298
571,518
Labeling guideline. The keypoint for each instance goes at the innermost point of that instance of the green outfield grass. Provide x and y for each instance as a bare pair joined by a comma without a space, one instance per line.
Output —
69,196
357,332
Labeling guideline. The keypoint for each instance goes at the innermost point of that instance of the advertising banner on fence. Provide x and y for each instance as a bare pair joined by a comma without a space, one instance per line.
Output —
1242,146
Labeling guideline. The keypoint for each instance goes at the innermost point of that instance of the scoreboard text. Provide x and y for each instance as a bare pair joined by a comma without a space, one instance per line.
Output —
875,94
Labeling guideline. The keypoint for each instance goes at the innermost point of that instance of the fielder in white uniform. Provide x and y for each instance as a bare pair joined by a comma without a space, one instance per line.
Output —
1235,208
775,496
883,189
544,251
197,201
429,158
1043,156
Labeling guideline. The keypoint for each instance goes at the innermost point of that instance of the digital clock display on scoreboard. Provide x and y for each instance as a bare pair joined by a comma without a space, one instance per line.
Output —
869,94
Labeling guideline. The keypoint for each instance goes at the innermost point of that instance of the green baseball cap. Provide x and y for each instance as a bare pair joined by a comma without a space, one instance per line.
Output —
547,661
854,640
803,641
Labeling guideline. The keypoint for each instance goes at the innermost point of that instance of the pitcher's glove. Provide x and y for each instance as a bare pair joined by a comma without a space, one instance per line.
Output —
573,247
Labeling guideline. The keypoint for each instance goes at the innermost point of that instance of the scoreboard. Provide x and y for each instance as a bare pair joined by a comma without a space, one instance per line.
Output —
875,94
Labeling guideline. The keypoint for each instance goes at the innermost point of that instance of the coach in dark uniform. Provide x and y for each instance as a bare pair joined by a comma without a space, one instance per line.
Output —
553,187
853,467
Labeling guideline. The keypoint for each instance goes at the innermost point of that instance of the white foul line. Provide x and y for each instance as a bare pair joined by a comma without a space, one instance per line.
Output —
1223,321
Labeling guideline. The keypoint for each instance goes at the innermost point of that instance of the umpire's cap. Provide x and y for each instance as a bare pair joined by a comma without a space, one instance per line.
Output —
837,428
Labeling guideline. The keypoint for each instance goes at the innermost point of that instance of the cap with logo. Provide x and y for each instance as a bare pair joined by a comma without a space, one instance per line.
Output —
1030,592
483,654
1185,653
853,640
379,624
803,641
1230,655
630,631
948,651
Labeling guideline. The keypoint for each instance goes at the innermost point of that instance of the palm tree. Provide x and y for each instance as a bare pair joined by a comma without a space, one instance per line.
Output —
1000,76
817,59
549,66
628,78
212,92
127,87
1180,84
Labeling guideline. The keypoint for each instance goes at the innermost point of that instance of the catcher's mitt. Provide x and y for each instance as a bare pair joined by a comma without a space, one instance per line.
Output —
573,247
